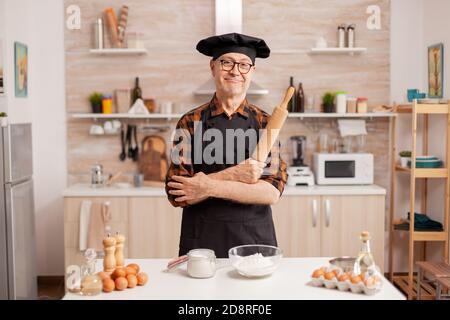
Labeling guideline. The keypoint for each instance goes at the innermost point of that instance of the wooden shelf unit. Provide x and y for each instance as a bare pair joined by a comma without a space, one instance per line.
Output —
408,283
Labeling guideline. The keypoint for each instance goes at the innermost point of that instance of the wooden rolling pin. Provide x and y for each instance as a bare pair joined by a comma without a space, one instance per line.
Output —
270,133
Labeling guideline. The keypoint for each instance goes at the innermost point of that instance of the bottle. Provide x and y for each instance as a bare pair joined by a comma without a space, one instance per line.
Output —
91,283
341,36
137,91
364,262
351,36
99,34
292,105
300,98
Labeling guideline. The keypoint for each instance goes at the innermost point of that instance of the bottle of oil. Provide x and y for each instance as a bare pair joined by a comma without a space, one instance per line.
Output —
91,283
292,105
365,261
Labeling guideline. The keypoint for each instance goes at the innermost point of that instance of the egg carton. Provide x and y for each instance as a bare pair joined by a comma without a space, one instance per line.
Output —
335,278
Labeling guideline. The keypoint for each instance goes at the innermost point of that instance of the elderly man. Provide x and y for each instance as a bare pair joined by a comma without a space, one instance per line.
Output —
226,202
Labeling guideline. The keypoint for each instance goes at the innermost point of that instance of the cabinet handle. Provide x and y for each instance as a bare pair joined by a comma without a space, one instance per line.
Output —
314,212
327,212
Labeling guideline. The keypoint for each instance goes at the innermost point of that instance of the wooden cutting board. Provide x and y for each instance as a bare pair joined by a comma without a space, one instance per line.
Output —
153,162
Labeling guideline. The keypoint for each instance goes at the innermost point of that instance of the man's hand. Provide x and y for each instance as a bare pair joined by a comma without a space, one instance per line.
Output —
191,190
248,171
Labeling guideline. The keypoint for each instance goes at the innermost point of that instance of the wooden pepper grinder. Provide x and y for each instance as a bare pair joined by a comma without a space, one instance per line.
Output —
120,239
109,247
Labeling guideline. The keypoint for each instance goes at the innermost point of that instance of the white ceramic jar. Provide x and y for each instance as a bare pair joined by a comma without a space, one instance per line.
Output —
341,102
201,263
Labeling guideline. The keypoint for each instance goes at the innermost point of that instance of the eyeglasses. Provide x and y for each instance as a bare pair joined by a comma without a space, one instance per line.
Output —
243,67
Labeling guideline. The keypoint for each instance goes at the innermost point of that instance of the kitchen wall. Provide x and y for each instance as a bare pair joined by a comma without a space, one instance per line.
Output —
22,20
173,69
417,24
436,26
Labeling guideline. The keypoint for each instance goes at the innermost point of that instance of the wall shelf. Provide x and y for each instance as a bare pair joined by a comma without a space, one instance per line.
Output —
342,115
118,51
336,51
128,116
178,115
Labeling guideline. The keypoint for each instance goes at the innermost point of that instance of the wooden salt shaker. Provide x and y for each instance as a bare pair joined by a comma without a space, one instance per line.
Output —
120,239
109,247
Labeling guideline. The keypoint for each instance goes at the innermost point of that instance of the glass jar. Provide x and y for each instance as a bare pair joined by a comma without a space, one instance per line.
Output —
361,105
341,102
91,283
201,263
107,104
135,40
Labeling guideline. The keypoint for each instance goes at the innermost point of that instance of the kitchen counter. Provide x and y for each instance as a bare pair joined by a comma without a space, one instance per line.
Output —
85,190
289,282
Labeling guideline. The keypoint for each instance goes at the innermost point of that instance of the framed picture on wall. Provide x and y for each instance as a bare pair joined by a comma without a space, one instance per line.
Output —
2,81
21,69
436,71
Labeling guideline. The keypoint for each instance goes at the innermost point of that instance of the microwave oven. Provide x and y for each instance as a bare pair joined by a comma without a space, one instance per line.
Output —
343,168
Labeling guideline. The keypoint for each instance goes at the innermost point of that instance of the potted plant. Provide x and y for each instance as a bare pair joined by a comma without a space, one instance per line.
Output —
3,119
328,102
405,156
96,102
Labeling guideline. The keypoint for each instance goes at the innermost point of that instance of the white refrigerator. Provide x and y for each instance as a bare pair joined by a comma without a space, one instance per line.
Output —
18,279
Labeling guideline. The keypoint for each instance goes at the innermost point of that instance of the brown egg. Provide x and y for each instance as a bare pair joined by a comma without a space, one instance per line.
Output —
135,266
121,283
356,279
104,275
343,277
318,273
108,285
130,270
329,275
119,272
142,278
132,280
336,272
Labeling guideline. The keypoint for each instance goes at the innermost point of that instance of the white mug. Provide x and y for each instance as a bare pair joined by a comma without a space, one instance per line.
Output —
166,107
321,43
96,129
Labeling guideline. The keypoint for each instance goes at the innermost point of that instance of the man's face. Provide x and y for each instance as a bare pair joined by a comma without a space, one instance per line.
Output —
232,82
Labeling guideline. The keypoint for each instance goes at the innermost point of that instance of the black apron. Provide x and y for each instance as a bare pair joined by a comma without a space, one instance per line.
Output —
220,224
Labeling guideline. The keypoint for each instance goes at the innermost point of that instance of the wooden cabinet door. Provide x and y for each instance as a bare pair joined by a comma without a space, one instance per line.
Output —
72,206
154,228
343,218
297,225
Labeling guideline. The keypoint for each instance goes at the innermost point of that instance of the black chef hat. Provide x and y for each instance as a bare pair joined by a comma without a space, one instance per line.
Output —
234,42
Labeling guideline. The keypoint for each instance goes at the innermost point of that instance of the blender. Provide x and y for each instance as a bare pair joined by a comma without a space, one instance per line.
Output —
299,174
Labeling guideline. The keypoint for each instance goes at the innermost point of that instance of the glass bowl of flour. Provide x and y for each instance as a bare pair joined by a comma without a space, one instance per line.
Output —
255,260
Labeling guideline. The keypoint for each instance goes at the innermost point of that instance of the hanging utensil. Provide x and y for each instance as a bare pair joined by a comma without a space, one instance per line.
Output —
136,148
122,155
130,147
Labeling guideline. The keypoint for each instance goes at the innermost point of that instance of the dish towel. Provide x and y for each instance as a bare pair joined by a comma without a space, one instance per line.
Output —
85,215
421,223
352,127
98,225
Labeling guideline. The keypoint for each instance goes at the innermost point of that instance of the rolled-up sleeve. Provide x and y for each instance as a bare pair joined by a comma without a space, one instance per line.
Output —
275,170
180,159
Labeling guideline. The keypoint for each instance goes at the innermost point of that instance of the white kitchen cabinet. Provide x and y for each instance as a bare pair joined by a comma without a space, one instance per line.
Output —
154,228
297,225
329,226
119,222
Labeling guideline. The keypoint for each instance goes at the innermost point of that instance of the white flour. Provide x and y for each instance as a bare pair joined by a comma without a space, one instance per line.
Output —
255,265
